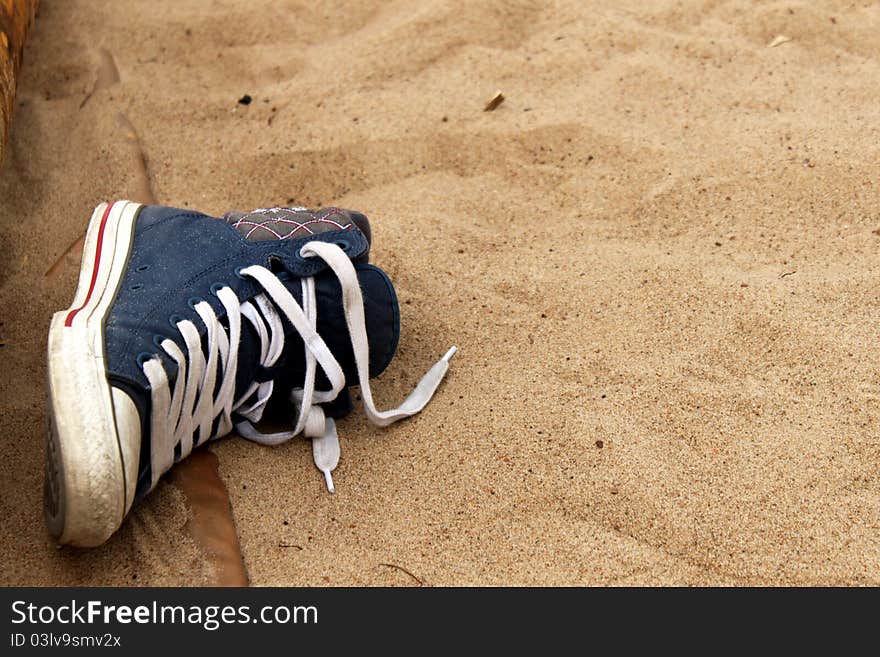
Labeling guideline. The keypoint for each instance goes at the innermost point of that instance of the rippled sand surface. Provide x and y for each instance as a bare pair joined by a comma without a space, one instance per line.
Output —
658,257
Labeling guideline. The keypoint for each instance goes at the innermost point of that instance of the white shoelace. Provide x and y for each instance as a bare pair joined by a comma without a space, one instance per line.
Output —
191,406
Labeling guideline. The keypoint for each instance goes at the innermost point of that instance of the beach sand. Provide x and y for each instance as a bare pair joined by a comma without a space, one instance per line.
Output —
658,258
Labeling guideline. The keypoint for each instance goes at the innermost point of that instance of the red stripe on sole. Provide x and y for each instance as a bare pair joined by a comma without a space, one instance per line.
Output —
73,312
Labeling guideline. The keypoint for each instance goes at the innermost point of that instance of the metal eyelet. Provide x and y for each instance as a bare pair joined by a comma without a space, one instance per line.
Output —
238,273
158,340
345,246
174,320
192,301
142,358
216,287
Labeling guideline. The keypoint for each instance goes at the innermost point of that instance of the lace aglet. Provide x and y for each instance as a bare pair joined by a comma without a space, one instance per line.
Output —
329,479
450,354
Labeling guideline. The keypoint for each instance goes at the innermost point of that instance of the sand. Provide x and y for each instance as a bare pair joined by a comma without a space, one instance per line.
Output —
658,258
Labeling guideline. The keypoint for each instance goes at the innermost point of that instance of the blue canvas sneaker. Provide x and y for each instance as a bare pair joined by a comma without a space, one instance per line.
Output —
186,327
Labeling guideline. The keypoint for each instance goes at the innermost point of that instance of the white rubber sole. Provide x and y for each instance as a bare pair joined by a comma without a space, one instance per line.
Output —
93,433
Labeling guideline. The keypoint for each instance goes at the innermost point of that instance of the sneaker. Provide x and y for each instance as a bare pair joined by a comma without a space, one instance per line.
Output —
185,327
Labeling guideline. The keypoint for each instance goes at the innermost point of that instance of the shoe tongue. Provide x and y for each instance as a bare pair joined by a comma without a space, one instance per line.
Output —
294,222
382,316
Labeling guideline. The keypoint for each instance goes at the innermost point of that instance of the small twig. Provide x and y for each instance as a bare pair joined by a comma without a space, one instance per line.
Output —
402,569
778,41
494,101
290,545
73,249
788,273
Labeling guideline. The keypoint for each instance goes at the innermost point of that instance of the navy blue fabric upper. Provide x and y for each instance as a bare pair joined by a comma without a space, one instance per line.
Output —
180,257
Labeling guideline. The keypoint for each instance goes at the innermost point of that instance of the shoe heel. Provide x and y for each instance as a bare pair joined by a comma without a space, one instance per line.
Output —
85,488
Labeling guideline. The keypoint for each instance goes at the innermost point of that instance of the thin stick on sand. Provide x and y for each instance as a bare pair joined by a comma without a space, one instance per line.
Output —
16,17
494,102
